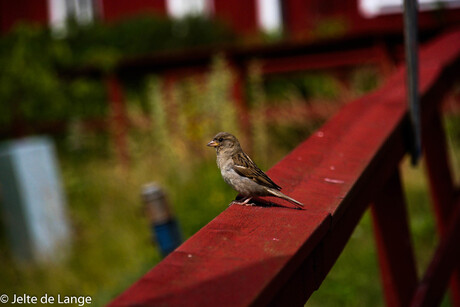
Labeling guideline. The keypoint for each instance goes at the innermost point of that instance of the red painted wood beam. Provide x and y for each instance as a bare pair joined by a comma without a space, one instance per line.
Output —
201,57
323,61
437,162
445,261
313,271
260,255
441,182
394,246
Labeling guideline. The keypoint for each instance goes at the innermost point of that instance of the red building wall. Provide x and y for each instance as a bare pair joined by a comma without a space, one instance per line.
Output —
297,17
238,14
301,17
117,9
12,11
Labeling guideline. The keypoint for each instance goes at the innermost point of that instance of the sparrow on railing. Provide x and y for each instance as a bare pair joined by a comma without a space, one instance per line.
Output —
241,173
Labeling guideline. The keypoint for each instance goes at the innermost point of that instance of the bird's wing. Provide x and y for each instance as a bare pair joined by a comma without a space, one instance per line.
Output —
244,166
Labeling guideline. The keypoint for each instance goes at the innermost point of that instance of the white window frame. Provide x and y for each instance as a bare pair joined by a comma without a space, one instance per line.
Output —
60,10
374,8
269,15
182,8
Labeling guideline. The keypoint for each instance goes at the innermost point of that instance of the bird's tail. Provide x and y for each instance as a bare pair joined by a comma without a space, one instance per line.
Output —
283,196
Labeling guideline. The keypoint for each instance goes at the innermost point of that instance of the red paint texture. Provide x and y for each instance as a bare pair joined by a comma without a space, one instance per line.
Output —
113,10
13,12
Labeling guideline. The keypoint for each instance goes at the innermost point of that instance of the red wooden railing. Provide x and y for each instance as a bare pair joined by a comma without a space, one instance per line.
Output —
275,255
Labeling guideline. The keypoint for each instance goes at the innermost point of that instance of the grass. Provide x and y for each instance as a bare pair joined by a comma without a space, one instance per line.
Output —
111,245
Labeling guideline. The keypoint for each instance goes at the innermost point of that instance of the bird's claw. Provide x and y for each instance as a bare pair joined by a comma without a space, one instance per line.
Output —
243,203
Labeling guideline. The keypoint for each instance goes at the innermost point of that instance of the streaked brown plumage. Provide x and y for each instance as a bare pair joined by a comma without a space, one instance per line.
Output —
241,173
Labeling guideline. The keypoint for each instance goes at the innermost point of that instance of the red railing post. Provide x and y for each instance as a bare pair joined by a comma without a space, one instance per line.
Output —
395,253
118,122
434,283
239,98
441,184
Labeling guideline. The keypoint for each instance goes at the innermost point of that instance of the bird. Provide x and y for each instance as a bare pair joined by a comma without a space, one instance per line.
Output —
241,173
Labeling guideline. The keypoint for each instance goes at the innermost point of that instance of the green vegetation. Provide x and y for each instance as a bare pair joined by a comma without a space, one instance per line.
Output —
111,247
111,236
34,87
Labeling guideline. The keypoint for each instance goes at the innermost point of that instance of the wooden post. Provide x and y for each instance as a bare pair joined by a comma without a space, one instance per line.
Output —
434,283
239,98
441,184
396,257
118,122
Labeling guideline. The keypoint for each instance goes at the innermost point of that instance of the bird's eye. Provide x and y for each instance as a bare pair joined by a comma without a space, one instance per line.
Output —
221,139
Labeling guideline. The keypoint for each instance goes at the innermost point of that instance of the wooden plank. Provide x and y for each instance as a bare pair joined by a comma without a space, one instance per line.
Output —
201,57
322,61
248,256
316,267
394,246
327,166
226,262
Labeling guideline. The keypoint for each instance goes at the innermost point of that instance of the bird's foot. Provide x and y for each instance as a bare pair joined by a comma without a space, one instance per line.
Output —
243,203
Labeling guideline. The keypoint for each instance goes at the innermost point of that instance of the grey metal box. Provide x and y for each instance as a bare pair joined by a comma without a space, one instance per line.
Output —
32,199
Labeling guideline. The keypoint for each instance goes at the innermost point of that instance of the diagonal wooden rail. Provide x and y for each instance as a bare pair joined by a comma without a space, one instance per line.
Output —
272,255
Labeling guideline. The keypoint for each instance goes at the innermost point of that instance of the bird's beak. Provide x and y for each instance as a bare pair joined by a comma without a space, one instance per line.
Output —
213,144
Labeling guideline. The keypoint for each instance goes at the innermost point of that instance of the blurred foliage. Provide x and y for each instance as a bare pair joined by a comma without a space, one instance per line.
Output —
257,99
101,44
365,79
29,86
111,247
330,27
305,86
33,60
185,115
452,124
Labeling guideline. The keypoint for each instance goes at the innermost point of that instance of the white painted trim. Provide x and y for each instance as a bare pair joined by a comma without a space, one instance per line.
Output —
269,16
373,8
182,8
